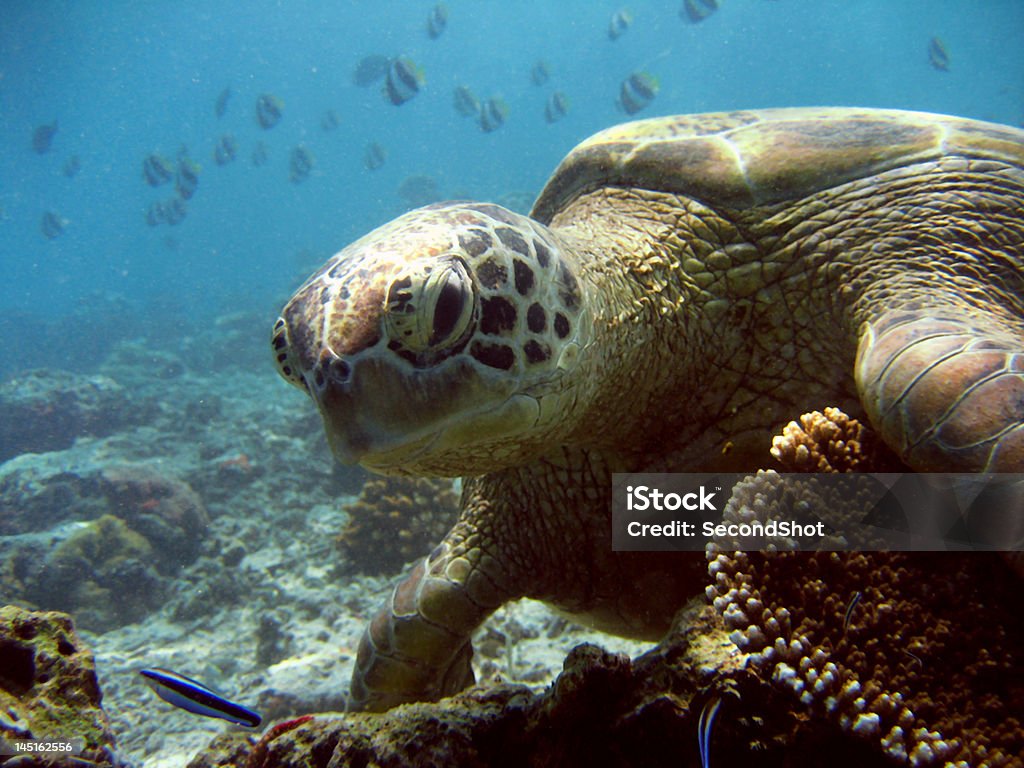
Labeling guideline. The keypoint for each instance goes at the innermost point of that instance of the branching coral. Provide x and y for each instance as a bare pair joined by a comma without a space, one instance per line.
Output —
832,442
918,653
396,520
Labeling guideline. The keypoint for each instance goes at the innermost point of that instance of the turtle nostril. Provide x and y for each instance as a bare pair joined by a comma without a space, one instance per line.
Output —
331,371
341,370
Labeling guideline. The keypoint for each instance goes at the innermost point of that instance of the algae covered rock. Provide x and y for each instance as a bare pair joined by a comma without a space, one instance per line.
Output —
102,543
48,685
103,574
604,709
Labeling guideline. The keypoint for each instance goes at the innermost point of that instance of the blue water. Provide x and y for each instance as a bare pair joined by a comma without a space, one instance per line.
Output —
125,79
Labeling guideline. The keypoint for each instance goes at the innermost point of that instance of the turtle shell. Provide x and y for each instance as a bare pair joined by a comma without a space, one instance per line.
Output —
744,159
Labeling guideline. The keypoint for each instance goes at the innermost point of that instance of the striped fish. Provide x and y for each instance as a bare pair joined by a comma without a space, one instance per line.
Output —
493,114
404,80
704,726
194,697
850,608
637,91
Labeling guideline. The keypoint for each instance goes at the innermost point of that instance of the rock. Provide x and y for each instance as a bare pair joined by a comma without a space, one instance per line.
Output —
48,410
61,549
48,685
163,509
103,573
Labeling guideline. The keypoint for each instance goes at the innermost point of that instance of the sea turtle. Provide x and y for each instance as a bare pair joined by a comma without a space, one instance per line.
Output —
683,287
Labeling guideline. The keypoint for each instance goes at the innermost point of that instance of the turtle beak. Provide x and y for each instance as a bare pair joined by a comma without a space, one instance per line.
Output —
370,415
330,384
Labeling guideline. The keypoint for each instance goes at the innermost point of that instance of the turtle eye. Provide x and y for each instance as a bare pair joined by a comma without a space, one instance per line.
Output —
450,307
431,308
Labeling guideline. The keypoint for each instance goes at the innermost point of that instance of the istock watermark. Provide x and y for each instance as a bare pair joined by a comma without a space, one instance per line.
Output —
642,497
845,512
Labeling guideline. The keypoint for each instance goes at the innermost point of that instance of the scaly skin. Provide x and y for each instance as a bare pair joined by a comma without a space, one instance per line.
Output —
783,260
514,539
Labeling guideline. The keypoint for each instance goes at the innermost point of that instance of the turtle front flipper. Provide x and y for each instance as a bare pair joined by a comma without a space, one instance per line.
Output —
418,647
945,389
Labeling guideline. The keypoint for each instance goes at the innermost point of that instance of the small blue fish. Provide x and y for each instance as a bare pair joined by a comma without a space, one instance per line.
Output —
850,609
194,697
915,657
704,726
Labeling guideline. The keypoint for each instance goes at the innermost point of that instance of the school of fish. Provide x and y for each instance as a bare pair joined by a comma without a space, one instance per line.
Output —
400,80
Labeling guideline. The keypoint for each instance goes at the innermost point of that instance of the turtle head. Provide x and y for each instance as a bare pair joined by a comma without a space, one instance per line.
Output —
444,342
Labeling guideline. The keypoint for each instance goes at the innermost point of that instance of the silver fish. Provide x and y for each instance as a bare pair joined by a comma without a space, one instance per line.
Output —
620,22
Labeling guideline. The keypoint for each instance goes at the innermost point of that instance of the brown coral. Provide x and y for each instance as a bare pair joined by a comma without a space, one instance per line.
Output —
396,520
916,653
832,442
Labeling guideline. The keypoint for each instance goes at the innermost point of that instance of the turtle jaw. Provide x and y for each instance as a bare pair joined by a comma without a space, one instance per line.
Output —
433,446
429,453
392,419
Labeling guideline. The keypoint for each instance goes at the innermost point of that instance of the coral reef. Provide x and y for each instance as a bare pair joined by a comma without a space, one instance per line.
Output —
602,710
396,520
48,410
916,653
48,686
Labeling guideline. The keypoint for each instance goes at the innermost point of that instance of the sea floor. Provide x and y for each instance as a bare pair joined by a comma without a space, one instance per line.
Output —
267,611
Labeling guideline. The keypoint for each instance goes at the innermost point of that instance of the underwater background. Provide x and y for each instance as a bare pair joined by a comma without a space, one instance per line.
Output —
157,479
125,80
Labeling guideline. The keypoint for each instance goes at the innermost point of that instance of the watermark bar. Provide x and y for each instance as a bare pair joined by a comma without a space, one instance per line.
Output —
53,748
871,512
